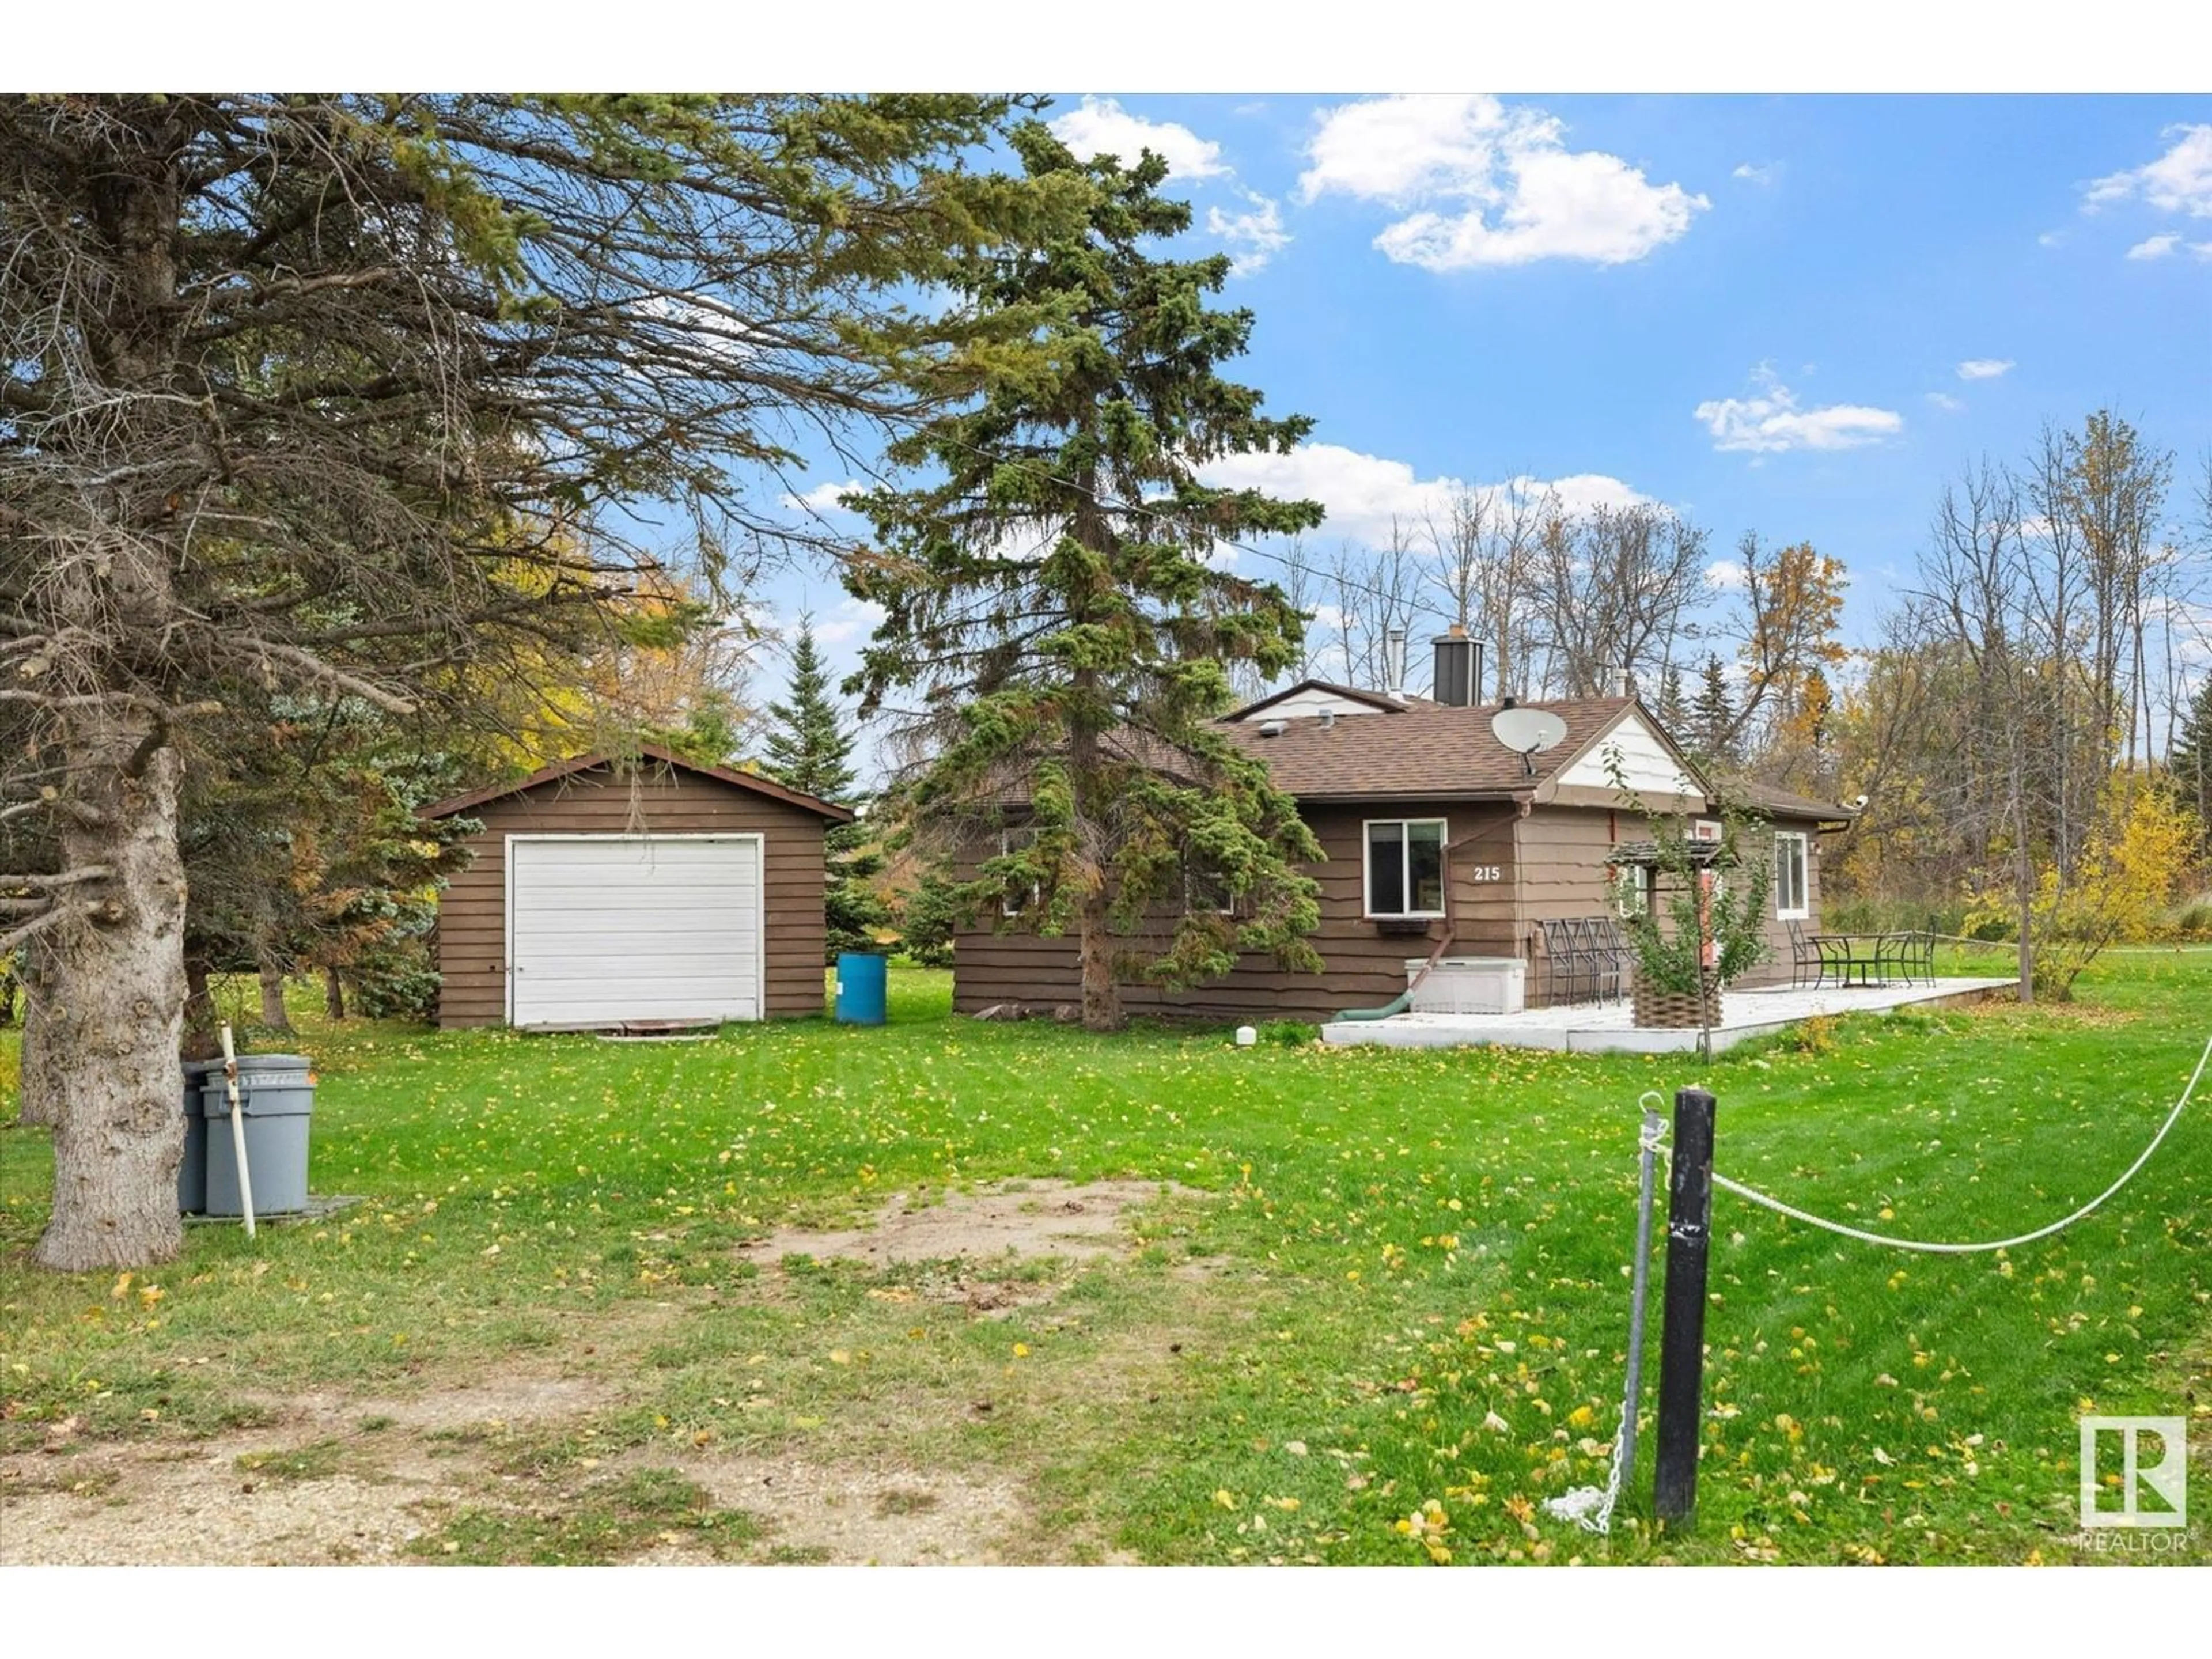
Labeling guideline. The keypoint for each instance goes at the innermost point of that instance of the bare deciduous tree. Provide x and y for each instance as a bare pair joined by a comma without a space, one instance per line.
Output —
1485,575
1613,589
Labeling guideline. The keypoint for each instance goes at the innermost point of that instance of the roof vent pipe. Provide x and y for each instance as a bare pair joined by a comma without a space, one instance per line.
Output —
1273,728
1621,680
1394,663
1328,718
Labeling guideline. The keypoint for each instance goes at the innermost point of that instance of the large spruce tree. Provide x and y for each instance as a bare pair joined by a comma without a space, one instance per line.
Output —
1059,587
347,395
808,748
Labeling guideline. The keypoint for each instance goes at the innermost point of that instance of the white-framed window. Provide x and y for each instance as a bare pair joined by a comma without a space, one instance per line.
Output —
1631,890
1793,890
1705,829
1405,867
1015,901
1209,894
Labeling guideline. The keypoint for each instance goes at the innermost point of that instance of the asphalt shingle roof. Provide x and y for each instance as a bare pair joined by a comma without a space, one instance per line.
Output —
1427,750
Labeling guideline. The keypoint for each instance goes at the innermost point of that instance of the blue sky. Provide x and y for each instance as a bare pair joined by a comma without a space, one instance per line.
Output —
1796,315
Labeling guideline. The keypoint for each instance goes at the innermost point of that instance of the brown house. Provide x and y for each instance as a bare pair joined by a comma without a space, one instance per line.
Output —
608,890
1440,840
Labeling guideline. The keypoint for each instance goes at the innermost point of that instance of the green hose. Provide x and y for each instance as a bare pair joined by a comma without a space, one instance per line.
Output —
1396,1006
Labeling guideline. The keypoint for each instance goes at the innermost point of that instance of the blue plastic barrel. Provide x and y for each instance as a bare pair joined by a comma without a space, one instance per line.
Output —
861,985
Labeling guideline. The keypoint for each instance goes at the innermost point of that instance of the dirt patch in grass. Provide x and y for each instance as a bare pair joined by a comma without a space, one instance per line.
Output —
1023,1219
326,1477
859,1514
140,1505
495,1403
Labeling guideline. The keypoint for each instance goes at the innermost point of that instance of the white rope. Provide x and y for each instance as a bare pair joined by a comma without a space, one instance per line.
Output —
1591,1508
1796,1214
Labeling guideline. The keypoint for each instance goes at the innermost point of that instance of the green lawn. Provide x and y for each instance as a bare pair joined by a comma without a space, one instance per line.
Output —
1404,1284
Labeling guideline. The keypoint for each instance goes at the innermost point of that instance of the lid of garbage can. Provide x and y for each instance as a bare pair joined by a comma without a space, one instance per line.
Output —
269,1063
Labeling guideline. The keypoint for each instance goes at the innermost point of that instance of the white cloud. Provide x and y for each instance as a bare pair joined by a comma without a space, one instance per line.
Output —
2051,239
1100,126
1946,402
2155,247
1364,492
1579,492
1984,369
1252,237
851,620
1763,173
1726,574
822,498
2179,182
1771,422
1489,185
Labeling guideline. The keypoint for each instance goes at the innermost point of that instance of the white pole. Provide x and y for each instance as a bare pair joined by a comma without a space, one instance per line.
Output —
238,1129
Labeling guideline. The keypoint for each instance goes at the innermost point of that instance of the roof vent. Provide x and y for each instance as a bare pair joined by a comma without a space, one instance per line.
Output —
1273,728
1394,663
1328,718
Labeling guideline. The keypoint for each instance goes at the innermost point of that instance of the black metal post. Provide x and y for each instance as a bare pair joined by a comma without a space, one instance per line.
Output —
1682,1340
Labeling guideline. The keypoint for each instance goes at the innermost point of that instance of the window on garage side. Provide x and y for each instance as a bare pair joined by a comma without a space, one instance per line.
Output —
1019,895
1405,867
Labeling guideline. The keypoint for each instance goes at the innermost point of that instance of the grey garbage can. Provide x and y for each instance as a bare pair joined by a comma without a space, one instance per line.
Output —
191,1170
275,1097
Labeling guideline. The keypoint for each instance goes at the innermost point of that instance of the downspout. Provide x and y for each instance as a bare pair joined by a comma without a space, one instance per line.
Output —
1400,1003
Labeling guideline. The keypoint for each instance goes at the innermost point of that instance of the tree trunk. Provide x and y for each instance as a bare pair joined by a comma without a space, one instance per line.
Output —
333,995
40,1104
272,999
118,996
202,1039
1102,997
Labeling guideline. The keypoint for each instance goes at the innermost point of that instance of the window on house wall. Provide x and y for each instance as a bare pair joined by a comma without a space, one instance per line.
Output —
1204,893
1406,866
1631,890
1019,898
1792,888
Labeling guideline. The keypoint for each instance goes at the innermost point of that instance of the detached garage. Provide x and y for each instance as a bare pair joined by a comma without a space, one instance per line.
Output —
616,891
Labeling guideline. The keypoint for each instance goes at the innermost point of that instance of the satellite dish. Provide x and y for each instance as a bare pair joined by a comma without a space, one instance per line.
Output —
1528,732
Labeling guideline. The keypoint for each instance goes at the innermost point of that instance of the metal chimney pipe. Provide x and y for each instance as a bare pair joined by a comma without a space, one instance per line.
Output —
1393,662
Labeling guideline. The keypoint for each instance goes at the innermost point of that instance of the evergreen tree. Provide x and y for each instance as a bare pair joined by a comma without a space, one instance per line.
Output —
1715,717
808,749
1674,705
1073,646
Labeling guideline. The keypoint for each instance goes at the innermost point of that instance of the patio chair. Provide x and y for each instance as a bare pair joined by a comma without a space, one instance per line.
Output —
1805,963
1912,954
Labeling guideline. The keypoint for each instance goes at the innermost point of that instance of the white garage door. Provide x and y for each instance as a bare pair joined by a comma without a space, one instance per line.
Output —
609,928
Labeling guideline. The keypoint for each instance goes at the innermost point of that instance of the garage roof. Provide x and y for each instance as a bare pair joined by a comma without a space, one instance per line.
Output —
753,781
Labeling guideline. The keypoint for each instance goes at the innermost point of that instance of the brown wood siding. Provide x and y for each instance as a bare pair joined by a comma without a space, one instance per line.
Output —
1363,966
659,800
1564,874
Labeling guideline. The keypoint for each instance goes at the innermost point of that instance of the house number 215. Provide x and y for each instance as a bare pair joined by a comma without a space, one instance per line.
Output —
1483,873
